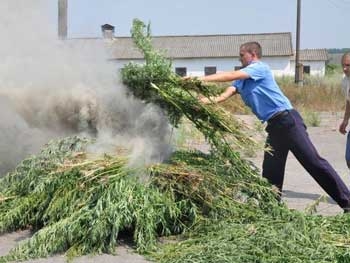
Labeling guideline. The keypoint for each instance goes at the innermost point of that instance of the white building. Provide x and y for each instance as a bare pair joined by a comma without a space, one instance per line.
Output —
313,60
197,55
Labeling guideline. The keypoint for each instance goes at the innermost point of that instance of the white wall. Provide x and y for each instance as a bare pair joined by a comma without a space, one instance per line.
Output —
280,66
317,68
195,67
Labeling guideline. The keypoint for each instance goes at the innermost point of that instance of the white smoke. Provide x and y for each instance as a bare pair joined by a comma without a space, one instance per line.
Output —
51,89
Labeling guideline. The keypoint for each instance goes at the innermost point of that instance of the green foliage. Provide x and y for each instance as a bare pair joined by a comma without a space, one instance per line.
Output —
157,69
311,118
257,237
332,69
155,82
79,205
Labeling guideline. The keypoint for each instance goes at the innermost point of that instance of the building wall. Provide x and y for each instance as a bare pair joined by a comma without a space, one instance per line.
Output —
280,66
317,68
195,67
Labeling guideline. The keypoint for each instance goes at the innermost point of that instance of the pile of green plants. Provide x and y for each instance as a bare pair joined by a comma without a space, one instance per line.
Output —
155,82
205,207
259,236
80,204
76,203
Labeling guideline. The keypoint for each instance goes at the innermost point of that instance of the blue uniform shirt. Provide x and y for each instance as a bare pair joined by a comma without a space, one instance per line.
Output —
260,92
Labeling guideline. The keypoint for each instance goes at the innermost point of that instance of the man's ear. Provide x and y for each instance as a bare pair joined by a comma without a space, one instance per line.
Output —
253,53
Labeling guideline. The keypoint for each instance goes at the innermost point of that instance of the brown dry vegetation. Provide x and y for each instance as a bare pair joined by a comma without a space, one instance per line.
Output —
318,94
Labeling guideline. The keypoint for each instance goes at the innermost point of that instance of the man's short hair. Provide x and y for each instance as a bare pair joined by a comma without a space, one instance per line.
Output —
252,47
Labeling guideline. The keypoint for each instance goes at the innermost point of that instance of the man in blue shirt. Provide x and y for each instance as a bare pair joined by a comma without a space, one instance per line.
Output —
285,127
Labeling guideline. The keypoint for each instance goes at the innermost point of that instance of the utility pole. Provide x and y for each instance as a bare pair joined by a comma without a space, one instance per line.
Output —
297,63
62,18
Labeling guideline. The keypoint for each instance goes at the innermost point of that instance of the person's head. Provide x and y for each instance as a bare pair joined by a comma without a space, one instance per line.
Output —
345,62
249,52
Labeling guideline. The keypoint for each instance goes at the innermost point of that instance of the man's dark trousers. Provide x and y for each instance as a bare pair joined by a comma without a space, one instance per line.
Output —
287,132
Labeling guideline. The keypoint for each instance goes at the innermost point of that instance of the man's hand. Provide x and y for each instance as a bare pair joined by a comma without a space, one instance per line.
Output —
342,127
203,100
186,77
191,77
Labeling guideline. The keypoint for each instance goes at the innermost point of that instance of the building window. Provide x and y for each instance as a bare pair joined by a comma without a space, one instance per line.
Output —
209,70
306,69
181,71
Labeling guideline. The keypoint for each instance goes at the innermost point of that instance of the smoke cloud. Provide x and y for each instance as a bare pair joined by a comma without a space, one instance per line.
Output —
51,89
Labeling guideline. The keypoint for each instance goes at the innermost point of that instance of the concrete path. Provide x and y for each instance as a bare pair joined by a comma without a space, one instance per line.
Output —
300,190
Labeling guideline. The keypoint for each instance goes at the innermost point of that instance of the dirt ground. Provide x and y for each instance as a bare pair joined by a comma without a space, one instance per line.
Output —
300,190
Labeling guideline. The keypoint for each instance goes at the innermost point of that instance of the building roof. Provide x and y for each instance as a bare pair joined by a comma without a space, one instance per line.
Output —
312,55
205,46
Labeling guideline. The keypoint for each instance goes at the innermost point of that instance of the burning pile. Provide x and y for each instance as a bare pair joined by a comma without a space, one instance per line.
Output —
79,203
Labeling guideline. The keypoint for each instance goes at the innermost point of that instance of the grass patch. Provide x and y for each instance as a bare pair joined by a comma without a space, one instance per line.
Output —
311,118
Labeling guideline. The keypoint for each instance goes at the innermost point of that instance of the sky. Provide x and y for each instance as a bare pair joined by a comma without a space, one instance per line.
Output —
324,23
